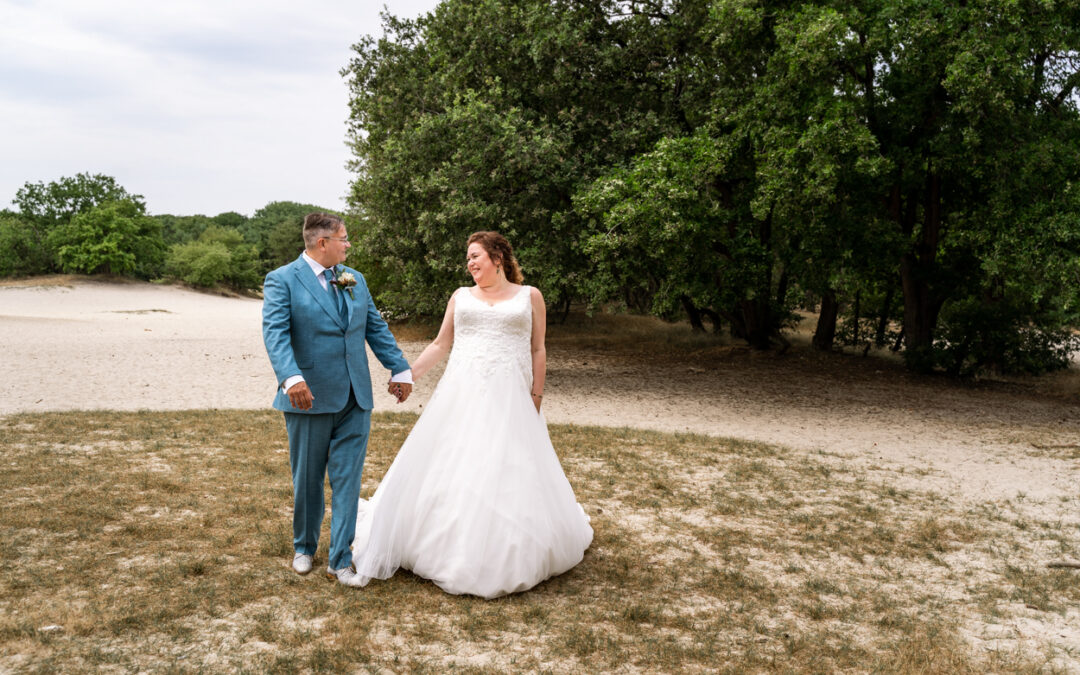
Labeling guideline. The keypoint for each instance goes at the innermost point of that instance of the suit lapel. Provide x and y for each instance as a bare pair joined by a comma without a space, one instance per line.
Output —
307,279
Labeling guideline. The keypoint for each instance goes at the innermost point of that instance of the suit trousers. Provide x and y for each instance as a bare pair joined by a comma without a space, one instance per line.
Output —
333,444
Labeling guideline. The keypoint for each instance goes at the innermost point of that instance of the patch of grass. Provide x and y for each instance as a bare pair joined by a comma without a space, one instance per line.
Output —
161,542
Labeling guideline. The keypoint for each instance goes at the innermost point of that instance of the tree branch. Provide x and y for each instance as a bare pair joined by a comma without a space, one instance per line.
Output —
1070,84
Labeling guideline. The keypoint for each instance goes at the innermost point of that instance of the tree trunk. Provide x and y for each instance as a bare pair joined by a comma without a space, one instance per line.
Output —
857,311
921,303
717,320
782,288
694,313
825,332
919,320
883,319
563,310
756,323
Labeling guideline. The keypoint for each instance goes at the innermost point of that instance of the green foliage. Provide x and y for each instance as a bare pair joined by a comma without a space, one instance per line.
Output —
667,234
218,256
230,220
978,334
53,230
284,242
58,202
43,207
110,238
485,115
20,253
276,230
182,229
910,161
499,175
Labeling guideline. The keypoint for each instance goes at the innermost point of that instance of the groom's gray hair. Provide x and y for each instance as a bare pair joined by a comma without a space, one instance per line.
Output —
318,225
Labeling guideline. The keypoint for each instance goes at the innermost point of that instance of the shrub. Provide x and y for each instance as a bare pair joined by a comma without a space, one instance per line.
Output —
218,256
1009,337
111,238
20,252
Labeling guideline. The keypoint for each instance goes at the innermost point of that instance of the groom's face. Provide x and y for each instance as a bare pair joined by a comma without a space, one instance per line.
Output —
336,248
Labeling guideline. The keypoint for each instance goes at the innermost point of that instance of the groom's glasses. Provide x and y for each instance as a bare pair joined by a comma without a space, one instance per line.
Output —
336,238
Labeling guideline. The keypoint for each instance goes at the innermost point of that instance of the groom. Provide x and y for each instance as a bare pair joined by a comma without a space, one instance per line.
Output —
317,315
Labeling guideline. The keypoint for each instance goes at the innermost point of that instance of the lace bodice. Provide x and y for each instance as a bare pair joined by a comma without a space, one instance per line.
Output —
490,339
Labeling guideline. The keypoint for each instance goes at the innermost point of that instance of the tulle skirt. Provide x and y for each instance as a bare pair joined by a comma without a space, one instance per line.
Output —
476,500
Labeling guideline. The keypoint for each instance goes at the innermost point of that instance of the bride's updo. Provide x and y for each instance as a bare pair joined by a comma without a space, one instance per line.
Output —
498,249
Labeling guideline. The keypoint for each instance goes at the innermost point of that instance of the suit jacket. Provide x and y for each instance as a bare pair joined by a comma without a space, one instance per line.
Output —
305,335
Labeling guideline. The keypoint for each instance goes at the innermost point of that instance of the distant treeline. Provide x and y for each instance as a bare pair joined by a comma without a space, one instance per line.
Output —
911,168
89,224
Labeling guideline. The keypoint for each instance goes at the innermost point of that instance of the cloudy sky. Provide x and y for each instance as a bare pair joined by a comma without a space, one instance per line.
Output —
201,106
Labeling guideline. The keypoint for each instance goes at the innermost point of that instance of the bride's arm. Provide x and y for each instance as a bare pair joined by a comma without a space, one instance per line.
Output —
539,351
439,347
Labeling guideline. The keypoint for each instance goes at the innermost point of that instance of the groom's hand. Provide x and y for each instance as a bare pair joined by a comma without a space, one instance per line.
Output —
300,396
400,390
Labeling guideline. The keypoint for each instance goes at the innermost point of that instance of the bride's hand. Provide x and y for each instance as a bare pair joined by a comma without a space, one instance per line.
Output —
399,390
537,399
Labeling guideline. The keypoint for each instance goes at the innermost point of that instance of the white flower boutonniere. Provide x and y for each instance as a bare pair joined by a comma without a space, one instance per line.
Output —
345,281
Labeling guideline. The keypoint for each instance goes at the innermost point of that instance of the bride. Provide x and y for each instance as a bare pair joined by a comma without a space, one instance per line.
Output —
476,499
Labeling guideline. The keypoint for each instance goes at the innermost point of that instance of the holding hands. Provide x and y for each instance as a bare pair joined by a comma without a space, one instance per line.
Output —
301,398
400,390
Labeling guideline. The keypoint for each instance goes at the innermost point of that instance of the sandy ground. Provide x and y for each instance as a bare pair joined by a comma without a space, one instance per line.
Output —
127,346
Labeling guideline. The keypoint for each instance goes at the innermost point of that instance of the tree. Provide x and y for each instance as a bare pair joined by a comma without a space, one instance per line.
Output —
20,253
276,230
685,224
230,220
967,103
182,229
218,256
912,161
43,207
486,114
58,202
111,238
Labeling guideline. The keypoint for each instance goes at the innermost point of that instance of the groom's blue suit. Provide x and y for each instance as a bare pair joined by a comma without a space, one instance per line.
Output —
305,334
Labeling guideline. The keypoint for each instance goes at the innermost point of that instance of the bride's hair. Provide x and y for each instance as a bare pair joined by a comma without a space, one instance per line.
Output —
498,249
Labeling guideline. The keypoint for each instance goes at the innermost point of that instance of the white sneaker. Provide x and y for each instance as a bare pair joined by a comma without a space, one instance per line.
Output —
301,563
346,576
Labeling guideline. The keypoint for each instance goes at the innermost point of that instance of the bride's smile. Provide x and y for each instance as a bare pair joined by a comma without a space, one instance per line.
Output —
483,270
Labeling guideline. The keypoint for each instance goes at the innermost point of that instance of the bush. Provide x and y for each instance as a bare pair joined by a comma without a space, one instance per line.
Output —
284,244
20,253
218,256
111,238
977,335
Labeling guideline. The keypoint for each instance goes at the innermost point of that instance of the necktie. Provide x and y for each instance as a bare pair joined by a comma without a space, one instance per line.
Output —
336,294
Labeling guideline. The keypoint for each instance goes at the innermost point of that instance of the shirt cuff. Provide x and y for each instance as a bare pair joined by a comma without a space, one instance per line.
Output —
290,381
403,376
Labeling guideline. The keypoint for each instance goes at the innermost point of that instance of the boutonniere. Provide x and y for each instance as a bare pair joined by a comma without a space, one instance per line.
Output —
345,281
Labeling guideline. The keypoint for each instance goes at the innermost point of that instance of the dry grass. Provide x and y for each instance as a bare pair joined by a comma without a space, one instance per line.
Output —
49,280
72,280
161,542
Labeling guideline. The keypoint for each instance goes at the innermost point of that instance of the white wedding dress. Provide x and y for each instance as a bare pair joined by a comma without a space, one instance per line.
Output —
476,499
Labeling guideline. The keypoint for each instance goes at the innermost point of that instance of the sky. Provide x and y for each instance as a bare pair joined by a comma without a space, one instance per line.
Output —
200,106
